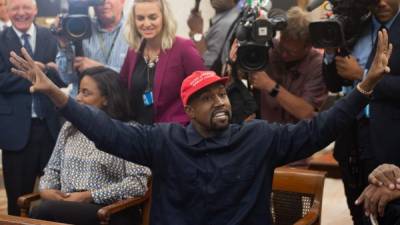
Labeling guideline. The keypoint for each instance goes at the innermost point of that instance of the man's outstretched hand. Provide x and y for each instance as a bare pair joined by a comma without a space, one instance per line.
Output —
379,66
26,67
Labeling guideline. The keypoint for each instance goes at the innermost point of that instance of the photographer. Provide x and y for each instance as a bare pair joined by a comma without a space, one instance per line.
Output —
292,87
210,45
373,138
106,46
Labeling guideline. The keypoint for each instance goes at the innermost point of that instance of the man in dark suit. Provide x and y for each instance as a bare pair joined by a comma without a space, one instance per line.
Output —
373,138
29,124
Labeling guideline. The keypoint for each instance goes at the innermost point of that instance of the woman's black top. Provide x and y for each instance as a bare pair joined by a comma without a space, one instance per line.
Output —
141,75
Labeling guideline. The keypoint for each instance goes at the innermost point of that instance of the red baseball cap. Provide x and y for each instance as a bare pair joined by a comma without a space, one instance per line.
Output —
197,81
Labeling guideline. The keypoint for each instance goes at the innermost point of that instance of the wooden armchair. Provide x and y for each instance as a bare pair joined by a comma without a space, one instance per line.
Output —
104,214
297,196
16,220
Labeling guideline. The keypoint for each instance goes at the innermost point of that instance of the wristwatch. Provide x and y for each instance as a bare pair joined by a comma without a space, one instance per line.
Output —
197,37
275,91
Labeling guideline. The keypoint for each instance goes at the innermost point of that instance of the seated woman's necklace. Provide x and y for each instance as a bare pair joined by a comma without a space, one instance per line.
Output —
150,59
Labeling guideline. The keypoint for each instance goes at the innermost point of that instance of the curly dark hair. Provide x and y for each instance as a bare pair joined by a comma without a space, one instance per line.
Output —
107,80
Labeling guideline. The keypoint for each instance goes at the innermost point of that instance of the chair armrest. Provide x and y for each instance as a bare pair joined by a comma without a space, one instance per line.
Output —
312,216
105,213
24,202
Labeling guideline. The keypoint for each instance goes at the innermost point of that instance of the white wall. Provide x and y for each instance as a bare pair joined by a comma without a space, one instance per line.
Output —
181,10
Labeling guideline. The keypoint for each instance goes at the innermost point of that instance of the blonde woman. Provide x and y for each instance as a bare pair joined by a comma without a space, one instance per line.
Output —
157,63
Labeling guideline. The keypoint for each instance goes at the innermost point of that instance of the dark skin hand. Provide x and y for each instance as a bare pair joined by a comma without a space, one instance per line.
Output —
195,22
386,175
375,198
53,194
348,68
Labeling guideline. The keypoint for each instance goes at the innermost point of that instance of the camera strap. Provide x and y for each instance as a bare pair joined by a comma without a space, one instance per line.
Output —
103,47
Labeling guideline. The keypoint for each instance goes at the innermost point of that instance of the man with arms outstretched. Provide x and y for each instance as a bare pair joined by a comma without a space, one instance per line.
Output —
210,172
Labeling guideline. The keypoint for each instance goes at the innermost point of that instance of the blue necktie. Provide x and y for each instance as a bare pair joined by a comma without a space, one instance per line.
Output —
36,106
27,44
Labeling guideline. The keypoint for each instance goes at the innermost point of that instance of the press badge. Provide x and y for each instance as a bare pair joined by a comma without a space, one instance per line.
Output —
148,98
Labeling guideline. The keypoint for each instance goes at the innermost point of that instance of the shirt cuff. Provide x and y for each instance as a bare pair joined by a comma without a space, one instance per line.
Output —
365,74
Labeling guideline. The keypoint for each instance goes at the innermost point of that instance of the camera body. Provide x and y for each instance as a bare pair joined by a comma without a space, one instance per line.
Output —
255,35
76,24
345,26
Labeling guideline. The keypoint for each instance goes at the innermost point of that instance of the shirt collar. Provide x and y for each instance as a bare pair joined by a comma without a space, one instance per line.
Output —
100,29
387,25
6,23
195,138
31,31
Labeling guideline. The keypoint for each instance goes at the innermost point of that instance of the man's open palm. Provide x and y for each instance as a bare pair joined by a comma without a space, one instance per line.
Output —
26,67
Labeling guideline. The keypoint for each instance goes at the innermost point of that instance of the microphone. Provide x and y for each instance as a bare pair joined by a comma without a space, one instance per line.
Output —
314,4
196,6
277,13
278,18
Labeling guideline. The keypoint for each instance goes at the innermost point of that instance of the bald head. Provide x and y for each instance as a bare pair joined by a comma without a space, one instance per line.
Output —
22,13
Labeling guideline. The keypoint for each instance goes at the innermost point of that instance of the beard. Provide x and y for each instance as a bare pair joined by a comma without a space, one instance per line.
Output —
220,124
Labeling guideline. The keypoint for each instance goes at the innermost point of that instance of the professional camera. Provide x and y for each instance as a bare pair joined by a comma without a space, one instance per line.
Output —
255,33
76,24
345,26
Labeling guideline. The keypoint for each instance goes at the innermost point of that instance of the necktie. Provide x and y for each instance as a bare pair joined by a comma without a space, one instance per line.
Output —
36,106
27,44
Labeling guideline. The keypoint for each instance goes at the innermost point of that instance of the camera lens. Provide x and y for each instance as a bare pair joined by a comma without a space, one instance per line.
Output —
252,57
77,27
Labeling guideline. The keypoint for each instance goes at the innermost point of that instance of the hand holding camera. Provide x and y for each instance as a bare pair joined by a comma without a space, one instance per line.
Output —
76,25
348,68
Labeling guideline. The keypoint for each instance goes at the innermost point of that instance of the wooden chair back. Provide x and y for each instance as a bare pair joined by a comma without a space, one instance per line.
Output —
297,196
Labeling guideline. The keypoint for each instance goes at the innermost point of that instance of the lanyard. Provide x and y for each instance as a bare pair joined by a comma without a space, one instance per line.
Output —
103,47
150,65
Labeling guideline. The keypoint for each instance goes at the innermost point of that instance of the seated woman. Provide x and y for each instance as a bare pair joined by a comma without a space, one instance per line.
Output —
80,179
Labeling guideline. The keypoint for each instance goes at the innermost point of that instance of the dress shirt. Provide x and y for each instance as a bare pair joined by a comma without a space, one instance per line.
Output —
225,179
302,78
32,41
362,49
107,47
76,165
4,25
32,36
365,44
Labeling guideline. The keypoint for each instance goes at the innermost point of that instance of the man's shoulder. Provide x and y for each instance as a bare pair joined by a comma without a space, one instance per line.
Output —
6,33
43,30
230,16
250,126
181,44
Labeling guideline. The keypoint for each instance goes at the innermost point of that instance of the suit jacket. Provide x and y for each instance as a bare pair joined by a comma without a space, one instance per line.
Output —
15,98
173,66
384,120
